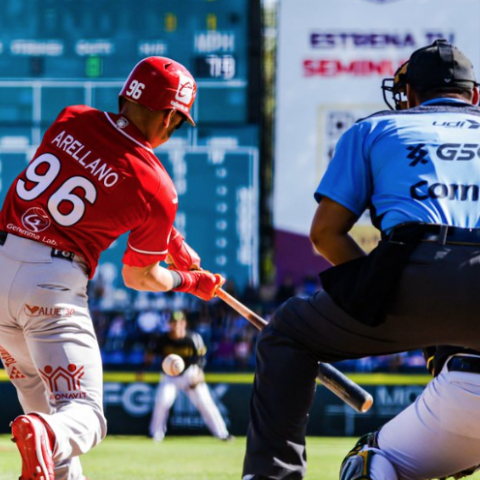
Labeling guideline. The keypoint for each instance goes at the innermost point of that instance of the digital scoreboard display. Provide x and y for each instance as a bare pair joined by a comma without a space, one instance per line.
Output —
217,209
106,38
54,54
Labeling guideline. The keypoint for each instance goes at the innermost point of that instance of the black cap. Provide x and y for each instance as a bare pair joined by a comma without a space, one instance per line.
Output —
440,65
177,316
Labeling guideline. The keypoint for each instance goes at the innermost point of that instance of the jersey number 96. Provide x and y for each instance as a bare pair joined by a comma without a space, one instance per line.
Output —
42,172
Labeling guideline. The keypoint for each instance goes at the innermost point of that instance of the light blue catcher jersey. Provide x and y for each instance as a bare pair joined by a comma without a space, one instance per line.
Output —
416,165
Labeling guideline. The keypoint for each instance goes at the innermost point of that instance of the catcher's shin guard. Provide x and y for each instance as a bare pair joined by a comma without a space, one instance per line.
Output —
358,464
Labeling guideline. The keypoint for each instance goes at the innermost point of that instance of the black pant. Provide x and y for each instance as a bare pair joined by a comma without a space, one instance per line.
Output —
437,302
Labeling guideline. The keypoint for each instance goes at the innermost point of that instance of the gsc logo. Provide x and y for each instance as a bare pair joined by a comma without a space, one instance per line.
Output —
458,152
449,152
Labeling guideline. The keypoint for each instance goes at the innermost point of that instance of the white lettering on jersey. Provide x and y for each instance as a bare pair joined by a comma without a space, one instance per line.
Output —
98,167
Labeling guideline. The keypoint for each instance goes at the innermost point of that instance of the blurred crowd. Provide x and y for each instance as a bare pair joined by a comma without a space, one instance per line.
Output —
126,321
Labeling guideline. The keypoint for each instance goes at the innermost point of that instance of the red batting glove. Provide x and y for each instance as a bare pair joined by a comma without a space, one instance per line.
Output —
201,283
181,255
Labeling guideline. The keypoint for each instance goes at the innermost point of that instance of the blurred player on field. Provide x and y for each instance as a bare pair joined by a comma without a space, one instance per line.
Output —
190,347
94,177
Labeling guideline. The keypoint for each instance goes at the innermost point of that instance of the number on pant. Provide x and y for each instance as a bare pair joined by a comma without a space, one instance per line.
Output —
42,172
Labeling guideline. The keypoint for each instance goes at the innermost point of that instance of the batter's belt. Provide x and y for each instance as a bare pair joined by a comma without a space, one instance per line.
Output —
464,363
63,254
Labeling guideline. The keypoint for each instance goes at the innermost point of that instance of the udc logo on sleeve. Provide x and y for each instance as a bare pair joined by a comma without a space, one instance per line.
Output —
35,220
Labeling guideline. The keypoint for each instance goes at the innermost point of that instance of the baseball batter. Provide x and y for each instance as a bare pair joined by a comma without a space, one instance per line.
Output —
94,177
190,347
418,171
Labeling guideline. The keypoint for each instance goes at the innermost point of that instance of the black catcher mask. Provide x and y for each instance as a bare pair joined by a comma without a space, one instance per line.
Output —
397,88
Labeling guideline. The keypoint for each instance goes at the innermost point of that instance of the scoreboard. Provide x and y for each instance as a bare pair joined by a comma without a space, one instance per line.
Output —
217,188
54,54
105,38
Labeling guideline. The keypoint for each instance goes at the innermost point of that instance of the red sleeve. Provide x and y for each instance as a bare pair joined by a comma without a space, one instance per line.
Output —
148,243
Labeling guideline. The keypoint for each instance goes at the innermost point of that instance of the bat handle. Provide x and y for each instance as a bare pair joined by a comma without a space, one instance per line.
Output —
244,311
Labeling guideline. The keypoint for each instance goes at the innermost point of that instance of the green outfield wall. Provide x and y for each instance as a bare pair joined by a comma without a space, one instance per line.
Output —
129,397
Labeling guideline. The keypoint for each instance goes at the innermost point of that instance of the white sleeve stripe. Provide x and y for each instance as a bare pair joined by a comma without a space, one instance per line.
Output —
164,252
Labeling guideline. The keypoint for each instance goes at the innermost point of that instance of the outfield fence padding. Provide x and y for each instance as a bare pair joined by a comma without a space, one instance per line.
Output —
128,407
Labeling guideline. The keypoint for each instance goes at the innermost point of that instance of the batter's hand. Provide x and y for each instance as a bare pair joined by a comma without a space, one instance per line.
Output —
180,255
200,283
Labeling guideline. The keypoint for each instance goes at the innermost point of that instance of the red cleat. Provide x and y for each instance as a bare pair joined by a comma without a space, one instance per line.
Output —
35,444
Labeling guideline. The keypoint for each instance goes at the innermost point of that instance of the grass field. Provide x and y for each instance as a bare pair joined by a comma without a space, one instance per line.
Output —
179,458
182,458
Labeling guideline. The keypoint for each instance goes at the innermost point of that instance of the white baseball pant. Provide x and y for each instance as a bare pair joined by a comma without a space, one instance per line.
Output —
438,435
199,396
49,348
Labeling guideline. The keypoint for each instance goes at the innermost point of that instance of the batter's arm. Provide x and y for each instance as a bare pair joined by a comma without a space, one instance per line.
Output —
153,278
329,232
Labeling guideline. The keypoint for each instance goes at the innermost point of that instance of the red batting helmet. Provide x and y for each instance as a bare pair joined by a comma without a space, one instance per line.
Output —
160,83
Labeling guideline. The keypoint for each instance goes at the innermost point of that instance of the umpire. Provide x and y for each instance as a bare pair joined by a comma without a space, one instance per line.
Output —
418,172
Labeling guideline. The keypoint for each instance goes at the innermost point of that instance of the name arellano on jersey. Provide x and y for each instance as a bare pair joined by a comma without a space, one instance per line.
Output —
80,153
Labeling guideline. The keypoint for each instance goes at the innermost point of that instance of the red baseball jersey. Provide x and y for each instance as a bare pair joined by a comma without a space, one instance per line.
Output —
93,178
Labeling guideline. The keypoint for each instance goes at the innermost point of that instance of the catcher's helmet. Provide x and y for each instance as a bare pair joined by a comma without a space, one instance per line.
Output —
159,83
397,86
439,65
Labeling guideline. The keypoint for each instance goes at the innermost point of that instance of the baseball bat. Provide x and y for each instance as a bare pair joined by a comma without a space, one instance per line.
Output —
333,379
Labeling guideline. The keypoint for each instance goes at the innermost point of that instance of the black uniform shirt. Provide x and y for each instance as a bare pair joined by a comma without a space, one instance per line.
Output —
191,348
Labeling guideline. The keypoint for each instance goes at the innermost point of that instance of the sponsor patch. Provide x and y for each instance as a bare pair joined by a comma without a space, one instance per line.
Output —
7,359
64,383
35,220
186,90
38,311
122,122
16,374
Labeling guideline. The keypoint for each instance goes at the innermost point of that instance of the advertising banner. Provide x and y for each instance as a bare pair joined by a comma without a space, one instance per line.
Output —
128,408
332,57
